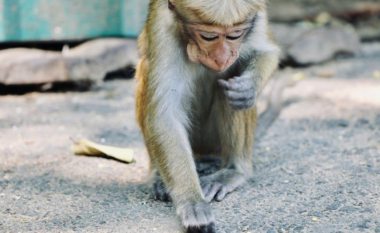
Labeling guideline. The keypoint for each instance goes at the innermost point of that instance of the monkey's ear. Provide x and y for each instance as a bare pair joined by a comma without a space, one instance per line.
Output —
170,5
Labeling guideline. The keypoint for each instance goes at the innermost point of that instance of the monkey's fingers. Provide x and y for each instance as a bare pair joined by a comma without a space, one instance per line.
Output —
241,100
210,190
240,105
203,229
221,194
230,84
235,85
216,191
240,95
197,217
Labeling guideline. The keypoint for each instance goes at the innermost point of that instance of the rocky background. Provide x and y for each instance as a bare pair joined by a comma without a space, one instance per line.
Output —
315,31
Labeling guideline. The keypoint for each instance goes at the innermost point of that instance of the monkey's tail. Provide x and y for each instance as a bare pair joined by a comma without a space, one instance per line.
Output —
274,103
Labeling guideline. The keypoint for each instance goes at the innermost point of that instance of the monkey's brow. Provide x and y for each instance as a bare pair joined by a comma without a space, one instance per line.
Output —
248,21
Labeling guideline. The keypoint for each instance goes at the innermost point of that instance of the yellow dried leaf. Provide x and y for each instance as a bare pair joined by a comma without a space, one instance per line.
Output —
376,74
323,18
298,77
86,147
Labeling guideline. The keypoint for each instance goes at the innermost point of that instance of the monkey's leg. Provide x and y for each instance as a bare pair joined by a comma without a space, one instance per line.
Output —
236,130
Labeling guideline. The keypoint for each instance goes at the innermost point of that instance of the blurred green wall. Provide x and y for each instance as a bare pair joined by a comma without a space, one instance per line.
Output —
32,20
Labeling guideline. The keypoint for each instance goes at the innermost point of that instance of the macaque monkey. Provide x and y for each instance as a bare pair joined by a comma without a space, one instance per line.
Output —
203,64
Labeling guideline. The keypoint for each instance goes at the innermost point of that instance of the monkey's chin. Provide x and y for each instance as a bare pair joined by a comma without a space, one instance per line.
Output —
218,69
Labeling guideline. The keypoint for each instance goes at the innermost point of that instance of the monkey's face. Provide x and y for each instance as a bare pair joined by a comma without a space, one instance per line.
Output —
214,46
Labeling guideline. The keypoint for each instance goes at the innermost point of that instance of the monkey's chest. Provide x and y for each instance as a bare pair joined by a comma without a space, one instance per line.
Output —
204,114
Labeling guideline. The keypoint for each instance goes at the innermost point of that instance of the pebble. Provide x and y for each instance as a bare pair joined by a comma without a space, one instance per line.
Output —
298,229
333,206
315,213
348,209
361,225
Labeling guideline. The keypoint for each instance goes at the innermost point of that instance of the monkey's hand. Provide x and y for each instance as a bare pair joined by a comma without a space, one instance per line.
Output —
197,217
240,92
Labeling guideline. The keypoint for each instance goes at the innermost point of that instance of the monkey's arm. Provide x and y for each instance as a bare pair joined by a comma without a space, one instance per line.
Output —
170,148
165,128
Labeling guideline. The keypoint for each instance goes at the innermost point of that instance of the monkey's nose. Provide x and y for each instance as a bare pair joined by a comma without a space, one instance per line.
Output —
221,60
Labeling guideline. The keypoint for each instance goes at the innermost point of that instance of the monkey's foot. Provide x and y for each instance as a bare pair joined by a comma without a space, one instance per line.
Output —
197,217
216,186
159,190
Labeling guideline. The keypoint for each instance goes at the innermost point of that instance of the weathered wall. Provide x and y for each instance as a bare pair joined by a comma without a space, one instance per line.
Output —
70,19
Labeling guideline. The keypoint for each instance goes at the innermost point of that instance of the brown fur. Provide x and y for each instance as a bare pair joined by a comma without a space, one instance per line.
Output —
183,111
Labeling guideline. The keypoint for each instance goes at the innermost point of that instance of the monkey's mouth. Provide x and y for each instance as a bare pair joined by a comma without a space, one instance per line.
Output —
217,69
214,66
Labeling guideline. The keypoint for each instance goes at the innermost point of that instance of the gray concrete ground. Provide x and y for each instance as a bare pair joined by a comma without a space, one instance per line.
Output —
316,170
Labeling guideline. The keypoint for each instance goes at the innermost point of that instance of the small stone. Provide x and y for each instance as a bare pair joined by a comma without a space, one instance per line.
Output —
315,219
348,209
315,214
377,230
103,222
333,206
361,225
362,121
343,123
368,210
302,211
68,192
367,220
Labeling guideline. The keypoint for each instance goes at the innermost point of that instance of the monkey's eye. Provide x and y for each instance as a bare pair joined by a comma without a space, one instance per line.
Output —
209,36
235,35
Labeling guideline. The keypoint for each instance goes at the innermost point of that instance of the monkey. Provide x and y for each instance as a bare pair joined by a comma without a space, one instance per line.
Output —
202,65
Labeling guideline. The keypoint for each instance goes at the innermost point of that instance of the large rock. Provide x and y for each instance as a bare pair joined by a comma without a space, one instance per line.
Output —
286,36
90,61
306,45
96,58
323,44
31,66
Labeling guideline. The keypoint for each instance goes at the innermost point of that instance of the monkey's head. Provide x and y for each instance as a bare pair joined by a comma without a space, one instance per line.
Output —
215,29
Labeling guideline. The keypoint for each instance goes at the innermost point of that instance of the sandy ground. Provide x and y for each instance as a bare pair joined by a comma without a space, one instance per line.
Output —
316,170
